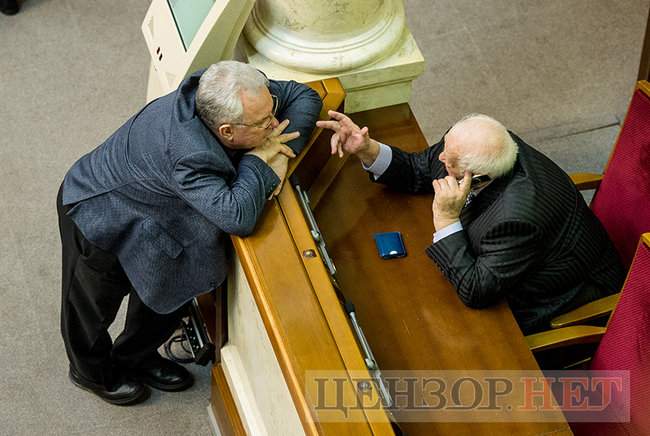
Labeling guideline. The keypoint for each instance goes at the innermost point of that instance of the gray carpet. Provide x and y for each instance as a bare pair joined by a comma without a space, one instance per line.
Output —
559,72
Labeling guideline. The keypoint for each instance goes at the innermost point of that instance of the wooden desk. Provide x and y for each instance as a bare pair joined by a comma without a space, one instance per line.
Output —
409,312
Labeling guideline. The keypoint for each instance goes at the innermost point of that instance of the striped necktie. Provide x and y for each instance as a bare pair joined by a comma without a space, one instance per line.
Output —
470,197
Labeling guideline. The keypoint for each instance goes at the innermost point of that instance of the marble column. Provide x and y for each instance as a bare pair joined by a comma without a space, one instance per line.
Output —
365,43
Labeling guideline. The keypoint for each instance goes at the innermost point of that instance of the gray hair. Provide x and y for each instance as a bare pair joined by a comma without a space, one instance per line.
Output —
218,98
496,156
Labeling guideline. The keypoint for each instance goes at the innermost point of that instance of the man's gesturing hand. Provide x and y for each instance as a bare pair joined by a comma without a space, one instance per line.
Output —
449,199
275,143
349,138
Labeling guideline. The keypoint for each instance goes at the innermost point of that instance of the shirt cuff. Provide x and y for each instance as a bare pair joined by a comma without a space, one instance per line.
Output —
452,228
381,162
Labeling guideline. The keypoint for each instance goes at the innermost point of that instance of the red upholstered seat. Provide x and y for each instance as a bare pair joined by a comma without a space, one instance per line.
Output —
626,346
622,202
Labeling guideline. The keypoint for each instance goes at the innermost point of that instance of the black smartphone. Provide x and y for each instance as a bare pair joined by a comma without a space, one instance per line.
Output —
479,180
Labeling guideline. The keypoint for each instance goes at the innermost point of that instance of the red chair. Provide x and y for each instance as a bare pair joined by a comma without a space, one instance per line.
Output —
621,201
626,346
622,204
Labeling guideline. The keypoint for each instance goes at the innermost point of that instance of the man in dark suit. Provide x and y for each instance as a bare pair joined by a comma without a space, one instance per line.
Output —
148,214
521,231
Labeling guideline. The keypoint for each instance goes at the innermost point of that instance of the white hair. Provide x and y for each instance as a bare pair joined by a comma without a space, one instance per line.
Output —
218,98
496,153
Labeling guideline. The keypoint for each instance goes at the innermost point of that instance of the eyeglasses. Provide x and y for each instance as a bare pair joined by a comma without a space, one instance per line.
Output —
266,122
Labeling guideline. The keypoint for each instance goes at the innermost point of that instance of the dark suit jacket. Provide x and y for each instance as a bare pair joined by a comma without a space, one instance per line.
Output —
163,194
528,237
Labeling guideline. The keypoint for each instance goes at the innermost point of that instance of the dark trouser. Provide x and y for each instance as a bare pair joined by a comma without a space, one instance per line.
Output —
94,285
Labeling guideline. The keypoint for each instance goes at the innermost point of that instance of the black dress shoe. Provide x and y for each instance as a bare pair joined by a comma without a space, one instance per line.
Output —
9,7
165,375
124,393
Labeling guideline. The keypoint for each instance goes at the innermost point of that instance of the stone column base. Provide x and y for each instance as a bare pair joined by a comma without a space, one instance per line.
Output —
385,83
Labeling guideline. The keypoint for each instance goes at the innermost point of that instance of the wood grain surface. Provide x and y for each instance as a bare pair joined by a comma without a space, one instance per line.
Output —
411,315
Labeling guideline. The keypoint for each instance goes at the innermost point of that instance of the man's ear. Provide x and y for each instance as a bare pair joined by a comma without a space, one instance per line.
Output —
226,132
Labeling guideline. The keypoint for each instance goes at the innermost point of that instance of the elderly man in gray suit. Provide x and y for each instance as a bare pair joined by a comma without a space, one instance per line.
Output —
148,214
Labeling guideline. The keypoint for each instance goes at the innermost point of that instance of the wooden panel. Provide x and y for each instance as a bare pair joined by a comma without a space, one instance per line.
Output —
302,336
585,181
564,337
645,238
587,312
644,86
411,315
335,317
223,405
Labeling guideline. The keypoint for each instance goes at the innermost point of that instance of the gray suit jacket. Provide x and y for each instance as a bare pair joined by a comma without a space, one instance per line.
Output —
163,194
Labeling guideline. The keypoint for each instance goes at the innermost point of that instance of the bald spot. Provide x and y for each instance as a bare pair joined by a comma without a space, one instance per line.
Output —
476,135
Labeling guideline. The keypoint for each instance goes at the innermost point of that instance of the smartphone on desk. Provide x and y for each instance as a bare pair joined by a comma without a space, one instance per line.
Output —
390,245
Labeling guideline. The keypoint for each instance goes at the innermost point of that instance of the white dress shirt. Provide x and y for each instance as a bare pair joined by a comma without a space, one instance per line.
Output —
378,168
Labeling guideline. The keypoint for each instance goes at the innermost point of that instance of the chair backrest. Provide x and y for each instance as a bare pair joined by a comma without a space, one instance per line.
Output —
622,202
626,346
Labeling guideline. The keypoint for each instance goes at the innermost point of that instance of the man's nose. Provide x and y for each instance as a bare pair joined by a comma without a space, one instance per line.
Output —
275,123
441,158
